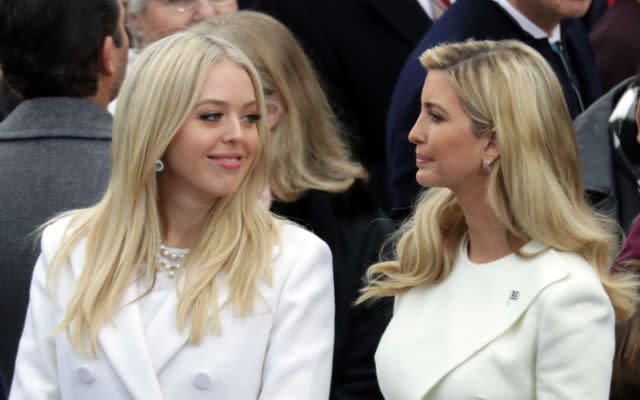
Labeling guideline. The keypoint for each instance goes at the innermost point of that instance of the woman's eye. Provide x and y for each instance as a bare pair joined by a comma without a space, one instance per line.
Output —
211,117
252,118
435,118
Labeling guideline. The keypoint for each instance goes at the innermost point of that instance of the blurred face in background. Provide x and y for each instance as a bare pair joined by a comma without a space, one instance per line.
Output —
546,14
565,9
155,19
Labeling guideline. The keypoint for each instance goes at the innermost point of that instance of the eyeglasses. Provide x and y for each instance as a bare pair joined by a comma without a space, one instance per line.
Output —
183,6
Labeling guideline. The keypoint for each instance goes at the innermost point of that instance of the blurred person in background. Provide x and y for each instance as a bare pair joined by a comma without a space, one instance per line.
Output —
67,59
314,182
342,37
151,20
626,366
610,154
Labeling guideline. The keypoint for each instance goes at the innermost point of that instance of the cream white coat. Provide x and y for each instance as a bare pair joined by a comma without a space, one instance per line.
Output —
516,329
281,351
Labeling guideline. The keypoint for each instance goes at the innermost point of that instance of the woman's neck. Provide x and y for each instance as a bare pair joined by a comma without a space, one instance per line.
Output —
182,220
488,238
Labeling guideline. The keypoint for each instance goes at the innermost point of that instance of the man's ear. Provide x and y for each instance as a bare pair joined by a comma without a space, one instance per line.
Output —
106,64
491,149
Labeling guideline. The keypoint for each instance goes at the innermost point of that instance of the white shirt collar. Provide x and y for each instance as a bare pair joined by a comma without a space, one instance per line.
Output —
426,5
527,25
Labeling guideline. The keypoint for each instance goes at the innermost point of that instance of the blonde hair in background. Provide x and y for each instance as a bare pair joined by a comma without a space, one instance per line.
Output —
534,188
123,229
308,150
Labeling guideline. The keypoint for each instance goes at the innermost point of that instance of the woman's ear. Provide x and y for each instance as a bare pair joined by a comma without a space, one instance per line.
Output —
491,149
275,109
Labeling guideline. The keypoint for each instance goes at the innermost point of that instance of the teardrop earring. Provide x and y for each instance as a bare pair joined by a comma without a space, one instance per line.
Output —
159,166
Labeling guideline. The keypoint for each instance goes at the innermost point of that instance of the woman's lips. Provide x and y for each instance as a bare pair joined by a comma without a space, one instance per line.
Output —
422,160
227,161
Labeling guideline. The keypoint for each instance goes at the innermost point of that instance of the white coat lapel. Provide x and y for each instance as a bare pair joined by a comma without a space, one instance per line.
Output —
124,344
163,336
123,341
441,327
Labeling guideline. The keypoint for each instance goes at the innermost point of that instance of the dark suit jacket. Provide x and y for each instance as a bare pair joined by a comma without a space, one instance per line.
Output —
55,155
479,19
354,229
358,48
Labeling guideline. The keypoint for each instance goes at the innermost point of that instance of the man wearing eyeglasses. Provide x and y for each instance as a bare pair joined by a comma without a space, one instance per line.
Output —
151,20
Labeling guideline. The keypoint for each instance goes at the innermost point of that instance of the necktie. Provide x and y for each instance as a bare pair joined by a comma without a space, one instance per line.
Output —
559,49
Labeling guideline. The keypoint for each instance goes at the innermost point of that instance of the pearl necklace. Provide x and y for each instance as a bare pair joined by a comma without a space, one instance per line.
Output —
170,260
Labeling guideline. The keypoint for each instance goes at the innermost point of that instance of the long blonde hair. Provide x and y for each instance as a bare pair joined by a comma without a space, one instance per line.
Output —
308,150
123,229
534,188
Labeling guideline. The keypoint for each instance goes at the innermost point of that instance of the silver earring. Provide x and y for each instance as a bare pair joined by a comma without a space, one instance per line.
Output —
159,166
485,167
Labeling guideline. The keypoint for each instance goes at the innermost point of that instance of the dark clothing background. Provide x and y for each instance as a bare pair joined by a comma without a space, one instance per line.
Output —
616,43
595,12
8,99
354,228
358,48
631,249
611,188
478,19
55,155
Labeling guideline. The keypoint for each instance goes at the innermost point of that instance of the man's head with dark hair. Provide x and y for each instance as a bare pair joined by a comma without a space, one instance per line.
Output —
62,47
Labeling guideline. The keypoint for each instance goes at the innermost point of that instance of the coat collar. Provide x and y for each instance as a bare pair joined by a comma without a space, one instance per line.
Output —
136,356
46,117
440,327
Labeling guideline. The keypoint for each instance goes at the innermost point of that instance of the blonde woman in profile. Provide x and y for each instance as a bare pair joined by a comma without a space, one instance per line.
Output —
178,284
314,182
501,277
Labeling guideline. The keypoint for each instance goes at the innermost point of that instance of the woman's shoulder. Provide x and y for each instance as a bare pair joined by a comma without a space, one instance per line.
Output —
574,264
54,231
579,283
293,238
300,255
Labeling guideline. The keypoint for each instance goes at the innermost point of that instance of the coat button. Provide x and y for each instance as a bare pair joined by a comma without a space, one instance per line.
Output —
85,375
202,380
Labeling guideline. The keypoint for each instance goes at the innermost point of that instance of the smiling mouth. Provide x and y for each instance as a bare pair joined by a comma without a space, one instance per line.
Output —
227,162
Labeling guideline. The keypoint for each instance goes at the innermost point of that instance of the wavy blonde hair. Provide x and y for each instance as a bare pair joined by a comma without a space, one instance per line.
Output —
123,229
309,151
534,188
